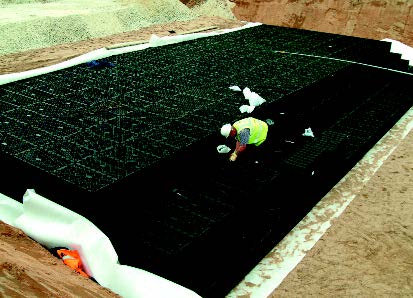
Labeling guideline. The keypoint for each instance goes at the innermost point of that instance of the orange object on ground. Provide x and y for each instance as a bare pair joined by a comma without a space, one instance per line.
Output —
72,259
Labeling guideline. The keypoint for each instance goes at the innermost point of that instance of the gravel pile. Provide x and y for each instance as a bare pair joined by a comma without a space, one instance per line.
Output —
217,8
37,24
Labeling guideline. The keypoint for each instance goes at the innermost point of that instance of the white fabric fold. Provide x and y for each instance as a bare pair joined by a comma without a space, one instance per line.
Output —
53,225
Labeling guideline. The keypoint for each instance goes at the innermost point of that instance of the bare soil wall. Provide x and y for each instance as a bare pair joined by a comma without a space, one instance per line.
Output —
373,19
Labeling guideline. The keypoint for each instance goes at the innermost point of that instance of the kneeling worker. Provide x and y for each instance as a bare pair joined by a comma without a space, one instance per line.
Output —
246,131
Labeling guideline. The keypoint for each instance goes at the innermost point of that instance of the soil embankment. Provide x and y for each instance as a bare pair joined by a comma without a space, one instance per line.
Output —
373,19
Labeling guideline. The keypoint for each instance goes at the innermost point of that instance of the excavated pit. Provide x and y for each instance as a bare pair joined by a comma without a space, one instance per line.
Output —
134,144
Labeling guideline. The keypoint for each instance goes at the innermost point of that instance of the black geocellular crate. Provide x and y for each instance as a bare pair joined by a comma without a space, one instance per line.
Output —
138,139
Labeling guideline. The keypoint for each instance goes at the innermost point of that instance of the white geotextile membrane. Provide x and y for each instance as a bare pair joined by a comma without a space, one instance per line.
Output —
53,225
401,48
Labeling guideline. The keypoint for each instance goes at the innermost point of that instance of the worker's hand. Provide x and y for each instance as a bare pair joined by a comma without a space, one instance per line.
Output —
233,156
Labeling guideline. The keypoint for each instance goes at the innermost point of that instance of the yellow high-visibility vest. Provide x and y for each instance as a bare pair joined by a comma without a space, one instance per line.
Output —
258,129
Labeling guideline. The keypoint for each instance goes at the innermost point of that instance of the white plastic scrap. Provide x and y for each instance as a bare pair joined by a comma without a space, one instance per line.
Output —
253,98
223,149
308,133
246,109
235,88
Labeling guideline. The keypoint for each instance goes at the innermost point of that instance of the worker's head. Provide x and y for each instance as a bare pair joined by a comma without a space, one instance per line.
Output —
226,130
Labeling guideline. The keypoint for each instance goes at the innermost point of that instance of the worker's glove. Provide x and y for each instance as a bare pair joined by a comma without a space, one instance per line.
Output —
233,156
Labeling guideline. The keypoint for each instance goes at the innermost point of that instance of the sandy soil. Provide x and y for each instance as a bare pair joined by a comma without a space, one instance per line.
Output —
31,59
27,269
374,19
368,252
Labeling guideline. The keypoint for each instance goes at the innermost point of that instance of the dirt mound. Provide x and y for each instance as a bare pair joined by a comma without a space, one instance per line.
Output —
27,25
